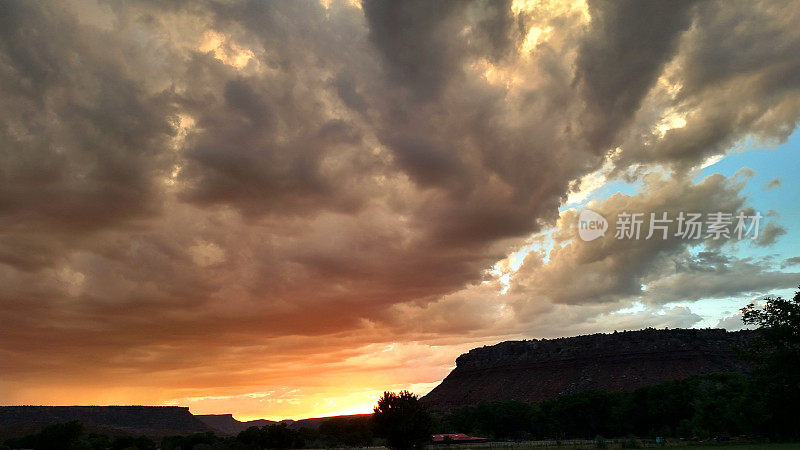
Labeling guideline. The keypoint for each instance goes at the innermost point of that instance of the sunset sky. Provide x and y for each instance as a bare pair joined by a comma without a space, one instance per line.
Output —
280,209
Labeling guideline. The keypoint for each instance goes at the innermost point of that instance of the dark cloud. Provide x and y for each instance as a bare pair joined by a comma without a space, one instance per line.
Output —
776,182
794,260
83,139
425,45
415,39
727,81
347,90
426,163
622,56
737,277
769,234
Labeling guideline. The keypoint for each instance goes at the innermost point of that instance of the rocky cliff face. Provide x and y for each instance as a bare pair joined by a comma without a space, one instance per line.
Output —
539,369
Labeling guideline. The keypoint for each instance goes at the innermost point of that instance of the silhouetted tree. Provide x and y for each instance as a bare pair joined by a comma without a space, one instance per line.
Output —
59,436
98,441
702,405
348,431
776,352
271,436
188,442
133,442
402,420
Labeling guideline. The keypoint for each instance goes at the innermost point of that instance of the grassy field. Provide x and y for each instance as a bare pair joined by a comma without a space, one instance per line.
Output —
587,445
772,446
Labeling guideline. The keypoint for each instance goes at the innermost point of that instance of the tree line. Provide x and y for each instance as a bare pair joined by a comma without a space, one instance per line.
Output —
335,432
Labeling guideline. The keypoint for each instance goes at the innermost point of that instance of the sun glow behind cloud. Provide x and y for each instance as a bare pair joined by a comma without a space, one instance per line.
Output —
225,49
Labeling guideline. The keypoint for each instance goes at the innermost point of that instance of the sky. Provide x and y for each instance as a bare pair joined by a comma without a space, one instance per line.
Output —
282,209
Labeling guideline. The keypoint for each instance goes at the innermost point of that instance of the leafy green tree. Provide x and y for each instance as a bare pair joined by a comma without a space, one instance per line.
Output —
776,352
402,420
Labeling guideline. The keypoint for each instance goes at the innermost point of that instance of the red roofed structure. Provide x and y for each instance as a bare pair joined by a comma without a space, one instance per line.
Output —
455,437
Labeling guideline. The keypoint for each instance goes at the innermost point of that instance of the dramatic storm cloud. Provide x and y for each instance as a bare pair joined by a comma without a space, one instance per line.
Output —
281,208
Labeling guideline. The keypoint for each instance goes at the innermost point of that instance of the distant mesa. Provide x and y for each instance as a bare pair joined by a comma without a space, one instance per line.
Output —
153,421
113,420
534,370
227,425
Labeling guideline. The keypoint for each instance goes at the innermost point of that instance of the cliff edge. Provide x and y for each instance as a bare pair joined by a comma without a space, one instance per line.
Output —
538,369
